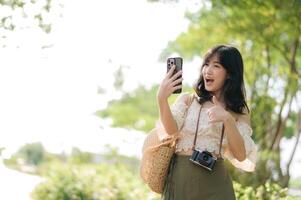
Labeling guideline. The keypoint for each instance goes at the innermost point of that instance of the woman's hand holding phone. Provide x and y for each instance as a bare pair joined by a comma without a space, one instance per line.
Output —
169,84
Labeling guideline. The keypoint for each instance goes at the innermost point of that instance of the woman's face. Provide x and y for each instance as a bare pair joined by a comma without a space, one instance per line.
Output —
214,75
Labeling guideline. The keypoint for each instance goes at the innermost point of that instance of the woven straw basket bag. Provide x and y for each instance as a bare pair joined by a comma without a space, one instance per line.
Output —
156,156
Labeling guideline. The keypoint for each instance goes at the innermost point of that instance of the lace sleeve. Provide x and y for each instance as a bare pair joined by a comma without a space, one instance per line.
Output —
251,150
178,109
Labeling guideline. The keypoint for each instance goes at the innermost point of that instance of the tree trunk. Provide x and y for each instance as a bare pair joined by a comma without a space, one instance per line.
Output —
286,177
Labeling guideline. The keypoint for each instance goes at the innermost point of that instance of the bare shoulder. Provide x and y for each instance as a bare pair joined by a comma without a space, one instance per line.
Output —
184,97
245,117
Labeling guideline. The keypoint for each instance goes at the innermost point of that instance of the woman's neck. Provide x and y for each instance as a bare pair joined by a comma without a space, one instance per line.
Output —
219,96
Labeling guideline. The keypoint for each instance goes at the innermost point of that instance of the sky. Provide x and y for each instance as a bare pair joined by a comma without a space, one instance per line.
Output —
50,94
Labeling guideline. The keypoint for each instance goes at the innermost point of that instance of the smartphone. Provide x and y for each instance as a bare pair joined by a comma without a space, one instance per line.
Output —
178,62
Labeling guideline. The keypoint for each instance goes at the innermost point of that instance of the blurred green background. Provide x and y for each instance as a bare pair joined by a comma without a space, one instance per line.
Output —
268,35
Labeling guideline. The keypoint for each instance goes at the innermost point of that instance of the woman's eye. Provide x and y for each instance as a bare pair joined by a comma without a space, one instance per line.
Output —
216,66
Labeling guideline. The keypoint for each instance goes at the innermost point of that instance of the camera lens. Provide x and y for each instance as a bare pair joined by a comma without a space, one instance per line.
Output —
205,158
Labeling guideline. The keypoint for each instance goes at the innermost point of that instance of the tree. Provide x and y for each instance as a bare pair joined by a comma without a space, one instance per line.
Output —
33,153
136,109
268,35
34,12
79,157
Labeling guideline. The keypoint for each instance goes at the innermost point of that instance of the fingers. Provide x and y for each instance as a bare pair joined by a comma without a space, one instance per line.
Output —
170,72
213,120
170,75
176,88
176,82
171,81
214,116
209,114
176,75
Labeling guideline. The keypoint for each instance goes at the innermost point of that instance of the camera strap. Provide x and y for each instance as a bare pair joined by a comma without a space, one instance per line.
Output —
196,132
197,127
221,142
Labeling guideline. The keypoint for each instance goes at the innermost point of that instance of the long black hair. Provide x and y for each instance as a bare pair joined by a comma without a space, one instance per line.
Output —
233,90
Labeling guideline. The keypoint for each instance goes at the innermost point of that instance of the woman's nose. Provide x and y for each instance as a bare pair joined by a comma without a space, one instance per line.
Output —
208,70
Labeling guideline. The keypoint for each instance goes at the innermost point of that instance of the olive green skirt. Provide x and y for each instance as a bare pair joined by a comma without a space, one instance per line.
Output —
187,181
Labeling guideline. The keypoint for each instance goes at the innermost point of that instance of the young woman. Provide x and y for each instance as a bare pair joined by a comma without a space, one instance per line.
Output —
219,106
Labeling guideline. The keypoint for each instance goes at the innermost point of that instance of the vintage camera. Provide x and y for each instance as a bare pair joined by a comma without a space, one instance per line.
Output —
203,158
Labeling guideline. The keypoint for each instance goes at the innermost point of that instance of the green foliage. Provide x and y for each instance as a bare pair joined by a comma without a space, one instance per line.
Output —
16,10
113,156
12,162
133,110
116,179
79,157
270,191
268,34
91,182
136,109
119,78
33,153
289,131
263,120
295,183
117,182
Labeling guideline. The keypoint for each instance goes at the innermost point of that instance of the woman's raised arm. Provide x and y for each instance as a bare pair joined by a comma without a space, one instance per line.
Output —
167,87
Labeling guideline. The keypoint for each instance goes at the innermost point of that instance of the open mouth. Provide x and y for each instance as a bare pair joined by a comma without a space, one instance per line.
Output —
208,80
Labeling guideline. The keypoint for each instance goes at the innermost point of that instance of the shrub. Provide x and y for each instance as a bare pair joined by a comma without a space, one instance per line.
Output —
91,182
269,191
119,182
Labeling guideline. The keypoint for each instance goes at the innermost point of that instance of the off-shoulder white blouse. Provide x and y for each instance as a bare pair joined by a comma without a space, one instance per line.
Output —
208,136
